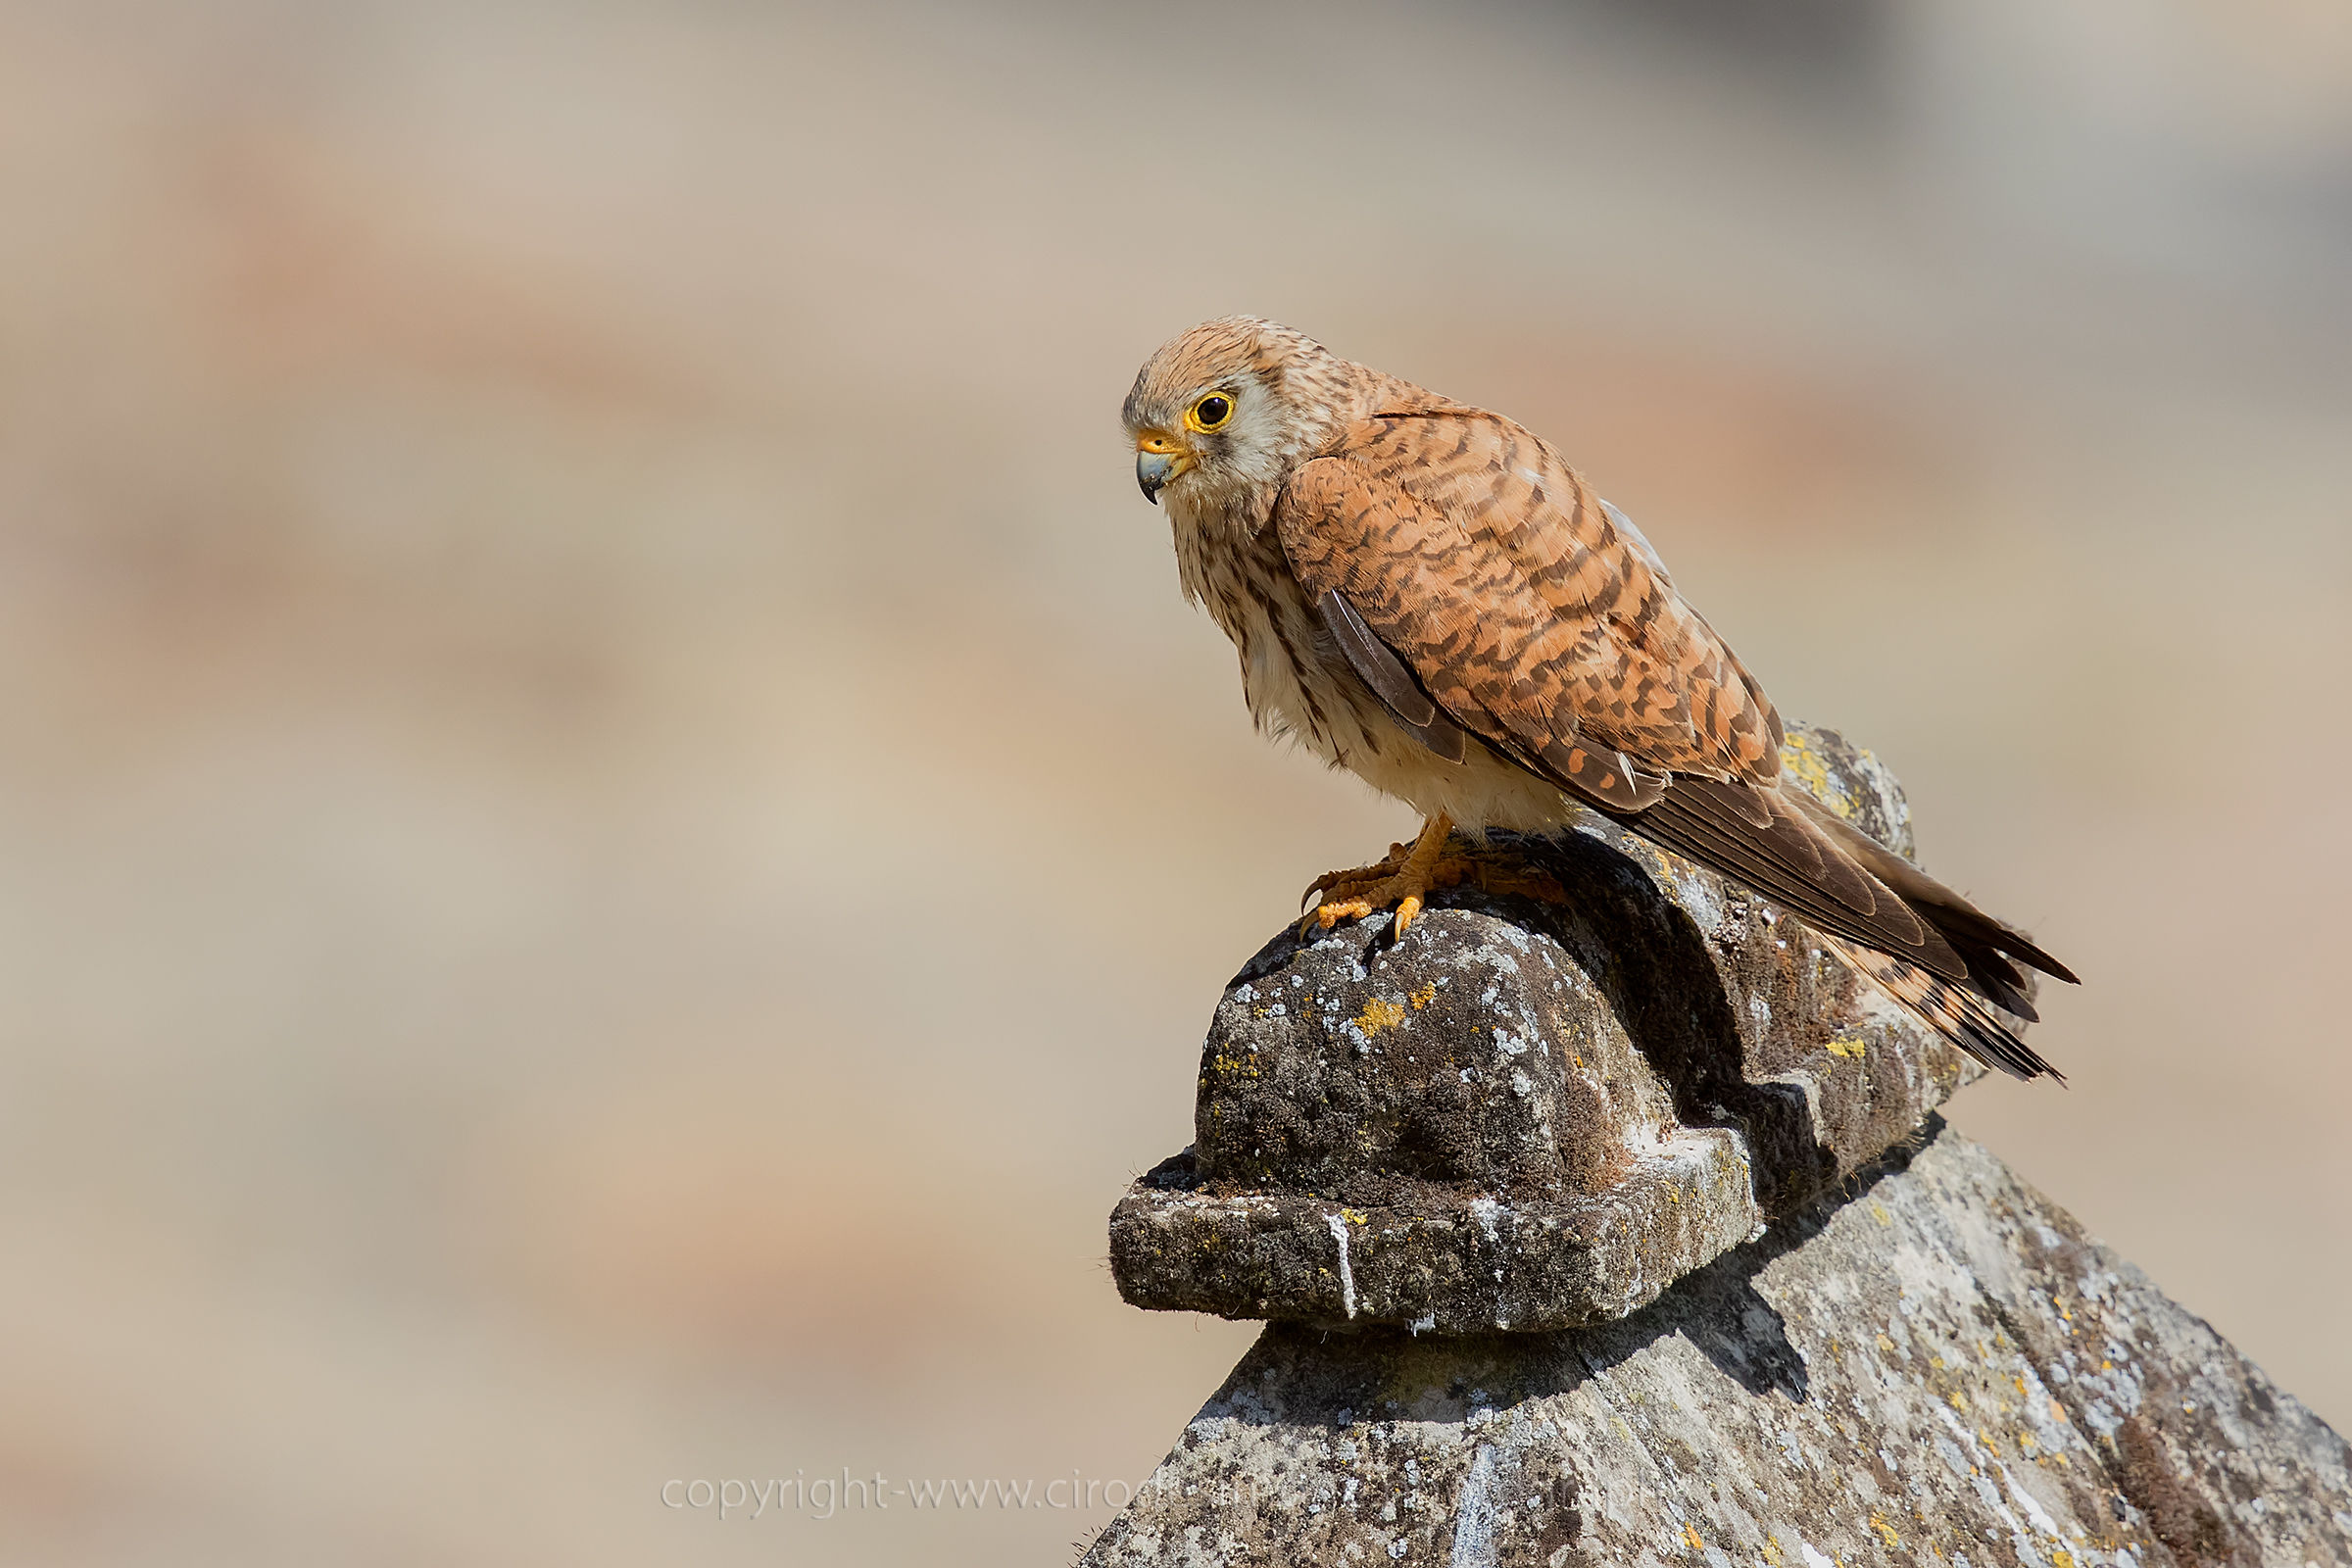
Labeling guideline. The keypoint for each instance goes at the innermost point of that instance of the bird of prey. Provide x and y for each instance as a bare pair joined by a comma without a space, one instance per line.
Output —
1427,594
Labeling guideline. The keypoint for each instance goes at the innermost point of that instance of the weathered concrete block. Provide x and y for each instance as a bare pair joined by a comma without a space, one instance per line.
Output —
1938,1367
1530,1115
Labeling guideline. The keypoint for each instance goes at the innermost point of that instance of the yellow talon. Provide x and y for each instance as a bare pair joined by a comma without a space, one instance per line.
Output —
1401,881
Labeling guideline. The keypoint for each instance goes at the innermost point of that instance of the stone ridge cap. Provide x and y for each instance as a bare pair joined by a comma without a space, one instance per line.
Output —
1555,1058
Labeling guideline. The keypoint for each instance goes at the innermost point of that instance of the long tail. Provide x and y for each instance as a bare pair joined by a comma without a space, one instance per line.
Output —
1951,1009
1991,950
1955,966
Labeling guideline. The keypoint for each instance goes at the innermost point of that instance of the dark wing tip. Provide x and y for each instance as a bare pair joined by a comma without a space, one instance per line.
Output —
1715,822
2045,963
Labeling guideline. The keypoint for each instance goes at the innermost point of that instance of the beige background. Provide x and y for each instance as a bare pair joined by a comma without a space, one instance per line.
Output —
617,841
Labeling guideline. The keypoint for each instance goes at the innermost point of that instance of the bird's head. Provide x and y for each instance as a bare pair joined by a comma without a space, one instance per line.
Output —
1222,412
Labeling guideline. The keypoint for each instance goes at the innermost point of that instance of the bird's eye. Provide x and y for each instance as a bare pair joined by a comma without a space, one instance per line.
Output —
1212,411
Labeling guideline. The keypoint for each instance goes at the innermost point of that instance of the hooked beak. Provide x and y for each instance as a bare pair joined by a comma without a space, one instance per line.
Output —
1158,459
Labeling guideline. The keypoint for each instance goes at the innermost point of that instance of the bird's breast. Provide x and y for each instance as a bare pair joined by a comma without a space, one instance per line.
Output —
1241,578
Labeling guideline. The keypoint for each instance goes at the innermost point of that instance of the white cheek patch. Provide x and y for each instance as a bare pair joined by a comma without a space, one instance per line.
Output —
1253,437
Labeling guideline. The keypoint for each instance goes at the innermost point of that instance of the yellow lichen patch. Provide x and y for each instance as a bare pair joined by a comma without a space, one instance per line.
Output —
1690,1539
2062,1557
1772,1551
1233,1066
1885,1532
1805,764
1886,1344
1959,1401
1424,997
1352,1217
1379,1013
1852,1049
1879,1214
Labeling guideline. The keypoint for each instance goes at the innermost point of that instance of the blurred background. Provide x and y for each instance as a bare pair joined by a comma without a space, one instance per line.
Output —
618,841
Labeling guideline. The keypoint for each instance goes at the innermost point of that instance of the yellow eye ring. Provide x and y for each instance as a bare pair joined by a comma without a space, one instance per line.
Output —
1212,411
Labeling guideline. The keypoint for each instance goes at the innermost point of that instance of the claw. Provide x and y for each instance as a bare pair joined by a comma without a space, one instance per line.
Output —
1398,881
1403,881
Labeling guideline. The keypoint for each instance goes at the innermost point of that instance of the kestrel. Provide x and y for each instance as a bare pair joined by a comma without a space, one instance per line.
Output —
1427,594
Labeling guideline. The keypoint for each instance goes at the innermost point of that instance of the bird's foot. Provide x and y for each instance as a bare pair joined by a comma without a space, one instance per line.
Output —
1403,878
1400,881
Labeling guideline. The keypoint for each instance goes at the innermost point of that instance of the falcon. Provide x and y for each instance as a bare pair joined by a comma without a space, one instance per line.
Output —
1427,594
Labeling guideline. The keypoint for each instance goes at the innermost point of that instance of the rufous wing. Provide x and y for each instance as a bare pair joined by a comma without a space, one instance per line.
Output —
1483,592
1398,577
1483,642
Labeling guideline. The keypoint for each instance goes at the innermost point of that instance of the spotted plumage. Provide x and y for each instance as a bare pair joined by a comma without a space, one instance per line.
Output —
1427,594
